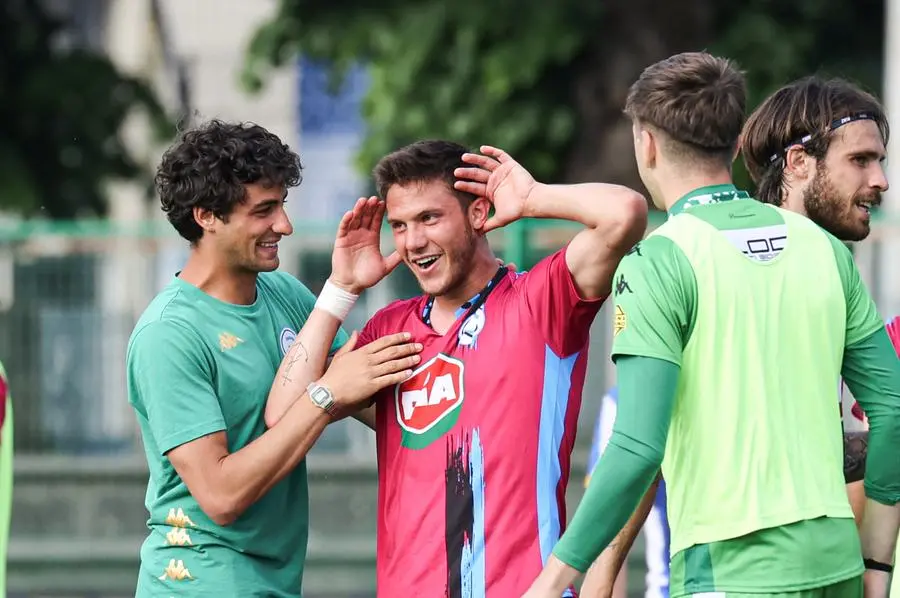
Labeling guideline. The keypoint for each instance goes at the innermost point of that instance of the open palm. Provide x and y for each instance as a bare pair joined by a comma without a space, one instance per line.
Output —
497,177
357,262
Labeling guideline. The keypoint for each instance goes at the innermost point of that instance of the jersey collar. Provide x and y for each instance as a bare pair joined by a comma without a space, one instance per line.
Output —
707,195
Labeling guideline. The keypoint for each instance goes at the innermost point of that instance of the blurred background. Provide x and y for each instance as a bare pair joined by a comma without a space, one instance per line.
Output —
92,91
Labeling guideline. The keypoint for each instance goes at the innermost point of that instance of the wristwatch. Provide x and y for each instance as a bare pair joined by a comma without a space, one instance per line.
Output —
321,397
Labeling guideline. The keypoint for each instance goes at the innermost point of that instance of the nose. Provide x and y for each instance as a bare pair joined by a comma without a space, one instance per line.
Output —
879,179
414,239
282,224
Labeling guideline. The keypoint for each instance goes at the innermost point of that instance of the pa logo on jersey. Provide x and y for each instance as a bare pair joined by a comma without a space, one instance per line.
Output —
286,339
428,403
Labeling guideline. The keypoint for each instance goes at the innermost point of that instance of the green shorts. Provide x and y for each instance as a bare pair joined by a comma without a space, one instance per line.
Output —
851,588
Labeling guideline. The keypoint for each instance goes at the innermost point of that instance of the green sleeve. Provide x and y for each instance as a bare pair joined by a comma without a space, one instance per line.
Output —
655,296
630,462
171,382
871,370
862,315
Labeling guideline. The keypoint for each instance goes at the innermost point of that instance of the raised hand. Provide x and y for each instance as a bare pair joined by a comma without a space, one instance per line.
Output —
357,262
498,178
355,375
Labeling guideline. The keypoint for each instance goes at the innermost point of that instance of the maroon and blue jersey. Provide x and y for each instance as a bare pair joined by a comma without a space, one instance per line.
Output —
474,448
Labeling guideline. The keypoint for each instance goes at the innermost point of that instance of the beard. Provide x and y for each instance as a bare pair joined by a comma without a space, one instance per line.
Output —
459,260
840,216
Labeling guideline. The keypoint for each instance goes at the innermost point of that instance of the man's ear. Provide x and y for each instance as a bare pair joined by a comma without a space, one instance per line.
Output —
205,219
649,147
479,212
798,165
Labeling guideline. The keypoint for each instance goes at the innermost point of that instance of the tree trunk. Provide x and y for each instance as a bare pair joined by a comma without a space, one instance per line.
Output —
637,33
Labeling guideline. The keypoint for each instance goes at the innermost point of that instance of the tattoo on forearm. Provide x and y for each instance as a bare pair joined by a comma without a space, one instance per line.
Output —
297,352
856,448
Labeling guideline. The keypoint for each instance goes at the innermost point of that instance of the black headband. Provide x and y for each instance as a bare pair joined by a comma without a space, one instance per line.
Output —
836,123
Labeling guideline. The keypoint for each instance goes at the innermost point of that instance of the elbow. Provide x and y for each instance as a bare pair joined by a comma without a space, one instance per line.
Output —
630,222
221,509
271,416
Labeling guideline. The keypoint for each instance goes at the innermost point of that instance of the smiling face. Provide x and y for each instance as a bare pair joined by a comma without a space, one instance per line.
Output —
848,182
248,238
434,234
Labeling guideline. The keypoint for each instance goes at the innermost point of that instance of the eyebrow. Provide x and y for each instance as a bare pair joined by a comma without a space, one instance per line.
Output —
870,154
266,204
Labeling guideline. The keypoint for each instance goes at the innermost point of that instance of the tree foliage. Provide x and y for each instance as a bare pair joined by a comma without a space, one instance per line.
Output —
546,80
62,111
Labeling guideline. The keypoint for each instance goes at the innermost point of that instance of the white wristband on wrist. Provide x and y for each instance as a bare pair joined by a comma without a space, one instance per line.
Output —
336,301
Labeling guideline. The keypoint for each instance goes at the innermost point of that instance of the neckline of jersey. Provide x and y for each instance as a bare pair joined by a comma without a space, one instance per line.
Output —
201,295
707,195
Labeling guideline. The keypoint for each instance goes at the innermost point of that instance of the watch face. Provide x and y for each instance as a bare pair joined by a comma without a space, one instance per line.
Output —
319,395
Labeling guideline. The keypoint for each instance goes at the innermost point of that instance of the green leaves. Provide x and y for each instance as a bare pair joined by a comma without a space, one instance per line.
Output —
62,112
505,72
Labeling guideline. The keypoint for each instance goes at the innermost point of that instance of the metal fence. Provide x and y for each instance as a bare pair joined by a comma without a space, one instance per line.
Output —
69,297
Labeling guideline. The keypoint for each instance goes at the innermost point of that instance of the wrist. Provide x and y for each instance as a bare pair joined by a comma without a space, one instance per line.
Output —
336,299
534,206
346,287
320,395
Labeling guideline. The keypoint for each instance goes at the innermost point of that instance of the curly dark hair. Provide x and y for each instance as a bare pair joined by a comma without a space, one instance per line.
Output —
209,166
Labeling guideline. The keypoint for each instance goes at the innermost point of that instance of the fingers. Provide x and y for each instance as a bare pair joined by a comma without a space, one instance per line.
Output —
485,162
368,212
476,189
392,379
391,262
349,345
396,365
479,175
388,341
356,214
393,352
378,218
495,152
344,225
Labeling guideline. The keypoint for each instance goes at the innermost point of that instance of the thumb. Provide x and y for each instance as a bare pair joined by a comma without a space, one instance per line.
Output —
391,262
349,345
491,223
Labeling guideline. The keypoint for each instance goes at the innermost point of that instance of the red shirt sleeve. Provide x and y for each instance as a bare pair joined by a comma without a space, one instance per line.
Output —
549,293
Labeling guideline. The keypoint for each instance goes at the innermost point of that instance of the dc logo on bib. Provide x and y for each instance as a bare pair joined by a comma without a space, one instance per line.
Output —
287,339
471,328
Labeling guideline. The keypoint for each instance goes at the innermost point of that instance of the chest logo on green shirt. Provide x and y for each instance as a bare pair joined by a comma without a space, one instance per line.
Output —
286,339
427,405
228,341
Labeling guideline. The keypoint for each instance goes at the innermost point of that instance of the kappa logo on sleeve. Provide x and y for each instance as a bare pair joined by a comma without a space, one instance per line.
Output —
428,403
620,320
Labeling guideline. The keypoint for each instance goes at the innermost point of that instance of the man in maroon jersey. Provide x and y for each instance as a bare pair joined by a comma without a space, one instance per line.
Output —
474,448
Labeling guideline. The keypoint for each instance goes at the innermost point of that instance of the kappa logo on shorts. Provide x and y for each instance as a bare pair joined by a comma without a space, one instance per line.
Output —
428,403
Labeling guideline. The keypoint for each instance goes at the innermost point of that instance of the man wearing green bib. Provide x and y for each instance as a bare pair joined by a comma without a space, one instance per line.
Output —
733,321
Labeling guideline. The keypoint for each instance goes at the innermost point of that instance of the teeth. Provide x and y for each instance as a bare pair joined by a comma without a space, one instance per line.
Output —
426,261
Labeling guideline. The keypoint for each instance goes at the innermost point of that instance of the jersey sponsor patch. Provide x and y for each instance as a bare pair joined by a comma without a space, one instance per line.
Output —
761,243
620,320
427,405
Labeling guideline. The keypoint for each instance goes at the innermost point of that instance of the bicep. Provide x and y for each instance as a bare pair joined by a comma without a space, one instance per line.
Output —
196,462
172,380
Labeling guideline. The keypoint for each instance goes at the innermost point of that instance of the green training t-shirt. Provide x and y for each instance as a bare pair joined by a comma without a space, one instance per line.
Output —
195,366
686,295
